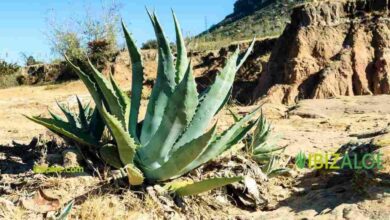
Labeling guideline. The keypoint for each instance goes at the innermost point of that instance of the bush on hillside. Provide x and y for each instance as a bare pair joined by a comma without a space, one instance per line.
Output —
8,74
150,44
8,68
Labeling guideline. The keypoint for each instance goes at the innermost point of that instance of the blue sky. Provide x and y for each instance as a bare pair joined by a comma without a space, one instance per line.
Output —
23,22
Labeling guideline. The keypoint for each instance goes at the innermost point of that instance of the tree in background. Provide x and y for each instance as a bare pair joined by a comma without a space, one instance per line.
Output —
94,34
149,44
29,60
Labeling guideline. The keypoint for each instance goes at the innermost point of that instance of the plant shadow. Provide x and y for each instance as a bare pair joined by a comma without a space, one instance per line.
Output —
323,191
18,158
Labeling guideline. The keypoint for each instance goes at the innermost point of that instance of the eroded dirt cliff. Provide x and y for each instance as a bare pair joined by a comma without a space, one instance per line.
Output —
330,49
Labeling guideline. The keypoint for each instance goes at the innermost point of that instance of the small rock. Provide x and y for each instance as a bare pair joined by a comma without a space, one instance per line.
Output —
299,190
353,212
221,199
71,158
160,190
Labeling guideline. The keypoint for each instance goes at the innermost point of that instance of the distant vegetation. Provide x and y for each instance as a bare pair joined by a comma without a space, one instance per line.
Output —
29,60
150,44
8,68
95,36
260,18
9,73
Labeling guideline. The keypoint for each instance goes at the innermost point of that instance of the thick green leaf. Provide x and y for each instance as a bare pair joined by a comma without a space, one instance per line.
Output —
227,98
90,84
126,145
266,148
212,102
234,115
55,116
246,55
113,102
151,16
260,135
178,114
278,172
214,99
206,185
88,111
65,129
240,134
96,125
68,114
82,117
262,158
124,101
182,59
181,158
273,167
136,83
163,88
109,153
63,215
167,66
134,174
229,137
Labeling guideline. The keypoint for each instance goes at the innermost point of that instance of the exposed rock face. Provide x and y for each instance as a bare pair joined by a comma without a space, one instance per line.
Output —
41,73
207,66
331,48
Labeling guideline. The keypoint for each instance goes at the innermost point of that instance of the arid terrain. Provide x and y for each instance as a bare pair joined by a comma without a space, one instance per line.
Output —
310,126
323,84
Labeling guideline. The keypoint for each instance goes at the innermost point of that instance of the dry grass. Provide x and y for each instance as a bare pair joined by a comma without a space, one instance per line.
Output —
124,205
105,207
7,81
16,213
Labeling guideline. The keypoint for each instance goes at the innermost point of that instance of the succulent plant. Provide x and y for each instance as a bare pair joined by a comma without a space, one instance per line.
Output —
260,147
263,150
85,127
173,138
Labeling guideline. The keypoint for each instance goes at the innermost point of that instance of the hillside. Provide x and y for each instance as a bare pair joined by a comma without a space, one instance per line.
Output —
330,49
261,18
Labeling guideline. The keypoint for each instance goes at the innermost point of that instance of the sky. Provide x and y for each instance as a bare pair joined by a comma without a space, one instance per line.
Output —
24,26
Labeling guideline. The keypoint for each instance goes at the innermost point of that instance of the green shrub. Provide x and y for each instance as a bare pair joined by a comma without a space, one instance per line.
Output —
10,80
8,68
9,72
100,52
264,151
150,44
29,60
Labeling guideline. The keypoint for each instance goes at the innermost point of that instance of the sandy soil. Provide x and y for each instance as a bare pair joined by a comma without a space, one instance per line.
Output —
309,126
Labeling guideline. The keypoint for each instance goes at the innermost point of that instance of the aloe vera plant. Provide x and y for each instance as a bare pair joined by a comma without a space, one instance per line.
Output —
263,150
173,138
85,127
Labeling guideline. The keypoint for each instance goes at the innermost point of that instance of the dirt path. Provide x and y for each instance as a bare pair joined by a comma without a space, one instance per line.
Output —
14,102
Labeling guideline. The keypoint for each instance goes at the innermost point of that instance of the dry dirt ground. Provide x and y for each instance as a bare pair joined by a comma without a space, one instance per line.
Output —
309,126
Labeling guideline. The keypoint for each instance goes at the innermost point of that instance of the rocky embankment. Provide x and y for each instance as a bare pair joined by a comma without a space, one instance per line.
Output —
331,48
